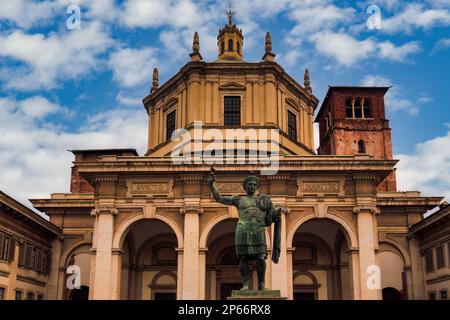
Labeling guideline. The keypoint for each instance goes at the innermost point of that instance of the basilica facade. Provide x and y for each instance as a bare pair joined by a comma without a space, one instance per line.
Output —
147,227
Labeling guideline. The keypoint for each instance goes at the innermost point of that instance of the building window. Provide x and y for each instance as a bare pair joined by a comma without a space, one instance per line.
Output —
2,293
358,109
432,296
292,125
443,294
429,264
40,297
238,47
230,45
30,296
222,47
361,146
18,295
440,259
7,247
366,109
232,110
349,108
170,124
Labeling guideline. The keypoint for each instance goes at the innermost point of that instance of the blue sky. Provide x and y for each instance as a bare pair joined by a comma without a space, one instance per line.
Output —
66,89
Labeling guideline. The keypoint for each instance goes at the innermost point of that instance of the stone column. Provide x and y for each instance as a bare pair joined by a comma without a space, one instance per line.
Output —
53,285
105,278
367,243
280,270
191,268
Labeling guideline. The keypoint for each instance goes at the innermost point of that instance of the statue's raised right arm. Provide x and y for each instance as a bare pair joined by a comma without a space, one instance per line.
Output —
228,200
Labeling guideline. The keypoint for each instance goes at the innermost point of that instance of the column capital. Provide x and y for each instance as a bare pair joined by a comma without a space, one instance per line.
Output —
191,209
104,210
372,209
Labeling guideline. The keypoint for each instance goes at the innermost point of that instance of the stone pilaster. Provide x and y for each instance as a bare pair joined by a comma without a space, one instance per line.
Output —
104,274
367,240
191,267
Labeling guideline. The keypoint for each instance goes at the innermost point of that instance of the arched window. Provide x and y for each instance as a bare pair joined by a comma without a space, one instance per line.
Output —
358,108
238,48
348,108
230,45
361,146
366,109
222,47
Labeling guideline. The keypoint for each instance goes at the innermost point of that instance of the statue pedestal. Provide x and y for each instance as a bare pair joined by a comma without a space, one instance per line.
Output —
256,295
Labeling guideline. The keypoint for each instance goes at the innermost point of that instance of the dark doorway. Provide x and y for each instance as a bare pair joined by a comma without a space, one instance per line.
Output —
391,294
80,294
165,296
304,296
226,288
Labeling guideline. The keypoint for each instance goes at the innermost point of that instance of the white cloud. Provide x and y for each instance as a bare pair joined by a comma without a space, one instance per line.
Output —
342,47
393,99
127,100
35,154
441,44
133,67
26,13
399,54
45,60
427,169
347,50
416,16
155,13
312,19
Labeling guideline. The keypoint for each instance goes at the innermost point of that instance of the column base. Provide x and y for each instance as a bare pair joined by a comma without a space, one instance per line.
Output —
256,295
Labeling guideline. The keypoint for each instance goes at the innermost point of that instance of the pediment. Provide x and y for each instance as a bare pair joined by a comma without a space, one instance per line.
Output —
232,86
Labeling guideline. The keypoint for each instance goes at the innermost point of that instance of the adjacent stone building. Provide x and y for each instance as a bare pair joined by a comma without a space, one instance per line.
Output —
25,251
146,227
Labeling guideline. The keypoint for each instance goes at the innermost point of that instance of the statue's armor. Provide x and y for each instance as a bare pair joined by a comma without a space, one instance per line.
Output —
250,238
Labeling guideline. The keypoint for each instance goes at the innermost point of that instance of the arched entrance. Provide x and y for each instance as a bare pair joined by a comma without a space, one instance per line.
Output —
321,261
222,265
79,260
393,276
149,262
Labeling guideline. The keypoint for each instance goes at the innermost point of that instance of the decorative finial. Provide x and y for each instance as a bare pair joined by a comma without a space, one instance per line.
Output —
307,81
196,44
155,83
230,14
195,55
268,42
269,56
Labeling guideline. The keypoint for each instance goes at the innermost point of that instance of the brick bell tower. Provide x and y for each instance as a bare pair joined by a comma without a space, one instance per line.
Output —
352,121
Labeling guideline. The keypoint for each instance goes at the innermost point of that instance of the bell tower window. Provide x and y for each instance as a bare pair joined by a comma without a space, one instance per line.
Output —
232,111
230,45
222,47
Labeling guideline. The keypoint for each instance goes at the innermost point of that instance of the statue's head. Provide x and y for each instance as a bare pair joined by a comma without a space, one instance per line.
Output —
251,184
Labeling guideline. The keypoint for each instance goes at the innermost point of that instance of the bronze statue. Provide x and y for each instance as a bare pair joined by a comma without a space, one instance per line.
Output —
256,212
